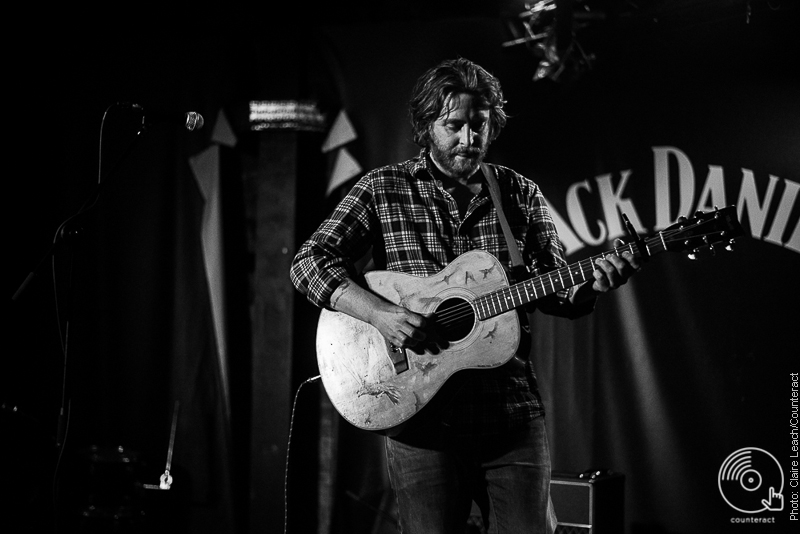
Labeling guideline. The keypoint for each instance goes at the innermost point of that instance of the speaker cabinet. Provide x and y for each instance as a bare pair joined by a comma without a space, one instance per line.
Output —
589,503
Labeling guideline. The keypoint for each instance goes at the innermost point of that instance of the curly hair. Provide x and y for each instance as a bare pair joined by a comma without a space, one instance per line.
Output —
450,77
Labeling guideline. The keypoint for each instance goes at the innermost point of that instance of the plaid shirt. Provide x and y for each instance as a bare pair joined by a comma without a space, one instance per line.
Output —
412,225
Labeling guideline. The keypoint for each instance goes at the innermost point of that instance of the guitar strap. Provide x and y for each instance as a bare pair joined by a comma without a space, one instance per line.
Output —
520,270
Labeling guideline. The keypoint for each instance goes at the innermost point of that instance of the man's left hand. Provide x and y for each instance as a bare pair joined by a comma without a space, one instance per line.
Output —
613,271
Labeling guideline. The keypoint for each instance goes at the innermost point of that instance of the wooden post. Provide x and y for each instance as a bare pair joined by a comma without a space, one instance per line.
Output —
274,192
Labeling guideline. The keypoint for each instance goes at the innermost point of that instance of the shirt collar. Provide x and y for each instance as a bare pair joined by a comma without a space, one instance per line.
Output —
423,163
420,164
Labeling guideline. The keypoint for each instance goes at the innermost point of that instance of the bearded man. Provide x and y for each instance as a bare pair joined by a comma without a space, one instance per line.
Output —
485,440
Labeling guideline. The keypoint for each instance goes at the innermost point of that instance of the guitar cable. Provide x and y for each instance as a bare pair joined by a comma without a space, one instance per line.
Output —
288,448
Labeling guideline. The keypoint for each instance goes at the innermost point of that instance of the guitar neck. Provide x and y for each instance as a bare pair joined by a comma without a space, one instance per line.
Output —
522,293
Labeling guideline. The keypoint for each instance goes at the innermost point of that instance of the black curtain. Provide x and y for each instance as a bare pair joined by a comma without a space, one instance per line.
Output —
687,364
112,341
690,361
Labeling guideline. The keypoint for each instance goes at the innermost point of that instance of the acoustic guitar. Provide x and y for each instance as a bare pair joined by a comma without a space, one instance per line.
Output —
376,386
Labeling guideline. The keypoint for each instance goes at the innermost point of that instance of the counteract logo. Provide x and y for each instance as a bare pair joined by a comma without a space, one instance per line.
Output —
751,481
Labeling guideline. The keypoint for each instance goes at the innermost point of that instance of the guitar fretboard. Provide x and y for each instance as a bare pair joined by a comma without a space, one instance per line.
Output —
522,293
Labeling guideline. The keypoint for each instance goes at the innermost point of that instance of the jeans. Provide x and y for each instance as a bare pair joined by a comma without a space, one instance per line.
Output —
435,481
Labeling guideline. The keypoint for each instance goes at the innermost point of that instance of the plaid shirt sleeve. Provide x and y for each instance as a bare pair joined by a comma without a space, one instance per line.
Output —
328,257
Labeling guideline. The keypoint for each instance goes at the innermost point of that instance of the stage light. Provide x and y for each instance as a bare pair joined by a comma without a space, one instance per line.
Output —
548,29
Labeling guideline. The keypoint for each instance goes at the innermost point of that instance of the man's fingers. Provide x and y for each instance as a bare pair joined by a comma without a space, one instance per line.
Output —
613,271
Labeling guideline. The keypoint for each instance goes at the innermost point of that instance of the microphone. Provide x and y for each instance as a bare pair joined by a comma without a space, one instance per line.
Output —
191,120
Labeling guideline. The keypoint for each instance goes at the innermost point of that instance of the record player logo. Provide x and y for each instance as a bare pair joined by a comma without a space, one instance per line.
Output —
751,481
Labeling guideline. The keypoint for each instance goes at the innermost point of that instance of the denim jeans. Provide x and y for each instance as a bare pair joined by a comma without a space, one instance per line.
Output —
436,480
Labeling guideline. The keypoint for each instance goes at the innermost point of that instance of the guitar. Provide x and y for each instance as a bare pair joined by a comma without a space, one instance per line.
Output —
376,386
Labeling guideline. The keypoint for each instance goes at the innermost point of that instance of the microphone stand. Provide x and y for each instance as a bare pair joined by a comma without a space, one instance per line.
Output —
68,231
193,121
64,231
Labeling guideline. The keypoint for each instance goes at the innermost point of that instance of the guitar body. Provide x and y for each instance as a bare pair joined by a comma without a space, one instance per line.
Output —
376,388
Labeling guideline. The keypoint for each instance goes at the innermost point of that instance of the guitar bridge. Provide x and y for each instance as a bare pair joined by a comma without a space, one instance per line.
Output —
398,357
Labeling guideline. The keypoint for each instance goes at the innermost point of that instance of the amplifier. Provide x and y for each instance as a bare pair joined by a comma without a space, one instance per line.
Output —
592,502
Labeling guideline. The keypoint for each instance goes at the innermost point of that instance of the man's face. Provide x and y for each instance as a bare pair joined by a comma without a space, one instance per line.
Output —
460,136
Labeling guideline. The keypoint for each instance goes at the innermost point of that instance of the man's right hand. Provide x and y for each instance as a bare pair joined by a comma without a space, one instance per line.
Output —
400,326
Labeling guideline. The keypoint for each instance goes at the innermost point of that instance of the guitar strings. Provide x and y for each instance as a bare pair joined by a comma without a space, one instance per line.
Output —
464,311
460,313
454,314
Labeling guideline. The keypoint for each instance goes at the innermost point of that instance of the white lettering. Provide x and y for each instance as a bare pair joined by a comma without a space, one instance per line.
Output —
578,218
685,185
748,199
770,218
794,241
713,193
783,212
613,205
568,238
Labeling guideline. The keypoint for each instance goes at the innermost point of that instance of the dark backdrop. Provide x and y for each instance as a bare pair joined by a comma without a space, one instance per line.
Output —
687,364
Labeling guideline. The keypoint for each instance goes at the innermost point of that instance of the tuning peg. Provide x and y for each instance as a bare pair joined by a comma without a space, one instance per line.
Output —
709,246
644,255
730,246
693,254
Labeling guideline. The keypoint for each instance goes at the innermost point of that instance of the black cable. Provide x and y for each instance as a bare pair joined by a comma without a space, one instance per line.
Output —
288,447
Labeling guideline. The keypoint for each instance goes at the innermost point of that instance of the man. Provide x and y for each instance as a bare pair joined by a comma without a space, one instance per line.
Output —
484,441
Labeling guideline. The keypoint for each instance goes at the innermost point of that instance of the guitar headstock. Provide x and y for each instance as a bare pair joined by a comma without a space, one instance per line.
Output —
703,231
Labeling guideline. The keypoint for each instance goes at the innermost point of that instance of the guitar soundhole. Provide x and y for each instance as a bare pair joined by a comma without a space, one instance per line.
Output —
454,319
